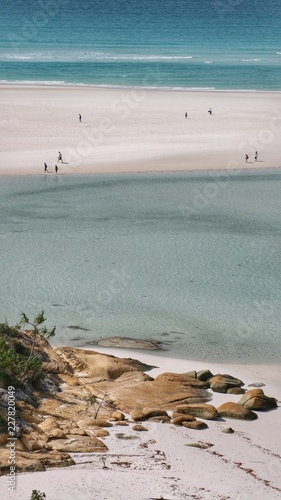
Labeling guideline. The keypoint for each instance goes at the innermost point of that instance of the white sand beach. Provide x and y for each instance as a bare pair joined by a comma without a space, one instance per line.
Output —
124,130
130,130
163,462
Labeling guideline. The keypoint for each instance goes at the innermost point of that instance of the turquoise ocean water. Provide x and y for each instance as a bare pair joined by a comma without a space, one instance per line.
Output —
190,260
211,44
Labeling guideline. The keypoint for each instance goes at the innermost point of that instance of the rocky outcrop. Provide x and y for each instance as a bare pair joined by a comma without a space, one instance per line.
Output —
205,411
235,410
179,418
184,379
147,413
85,393
255,399
196,424
129,343
221,383
76,444
35,461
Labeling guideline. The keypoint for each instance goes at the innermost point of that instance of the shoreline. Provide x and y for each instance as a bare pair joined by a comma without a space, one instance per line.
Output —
164,359
214,172
134,129
130,87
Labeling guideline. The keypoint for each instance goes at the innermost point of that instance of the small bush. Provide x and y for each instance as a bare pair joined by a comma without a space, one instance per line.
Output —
37,495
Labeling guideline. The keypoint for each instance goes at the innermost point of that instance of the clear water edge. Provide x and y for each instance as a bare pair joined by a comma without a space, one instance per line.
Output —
125,255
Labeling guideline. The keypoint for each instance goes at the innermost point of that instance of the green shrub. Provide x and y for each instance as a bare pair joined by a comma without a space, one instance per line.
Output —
17,368
37,495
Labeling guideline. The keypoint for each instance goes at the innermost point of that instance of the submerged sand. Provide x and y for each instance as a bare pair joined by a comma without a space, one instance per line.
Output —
125,130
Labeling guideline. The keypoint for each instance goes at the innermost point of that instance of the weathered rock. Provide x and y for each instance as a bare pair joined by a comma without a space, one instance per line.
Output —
69,379
205,411
228,430
96,432
118,415
49,424
137,415
78,444
191,374
221,383
255,399
204,375
56,434
161,393
34,461
235,390
235,410
181,378
93,422
161,420
139,427
99,366
147,413
129,343
77,430
183,418
122,424
3,438
34,441
196,424
154,412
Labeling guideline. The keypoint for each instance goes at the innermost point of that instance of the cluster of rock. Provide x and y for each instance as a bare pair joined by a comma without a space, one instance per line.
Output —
84,393
185,414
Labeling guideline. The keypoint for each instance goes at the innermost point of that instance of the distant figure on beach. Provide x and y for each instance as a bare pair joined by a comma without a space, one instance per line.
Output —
246,158
60,157
256,156
45,167
80,118
185,115
210,111
56,169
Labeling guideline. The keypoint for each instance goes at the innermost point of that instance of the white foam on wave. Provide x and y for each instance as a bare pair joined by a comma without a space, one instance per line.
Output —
66,56
251,60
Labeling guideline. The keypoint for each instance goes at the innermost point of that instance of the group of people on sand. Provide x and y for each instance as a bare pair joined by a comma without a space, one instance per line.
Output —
59,155
247,157
56,167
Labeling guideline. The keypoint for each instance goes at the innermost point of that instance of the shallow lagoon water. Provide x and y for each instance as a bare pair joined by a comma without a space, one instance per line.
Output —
190,259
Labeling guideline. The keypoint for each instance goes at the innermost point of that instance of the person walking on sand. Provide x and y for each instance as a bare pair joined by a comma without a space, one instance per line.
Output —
60,157
246,158
256,156
45,168
56,169
80,118
210,111
185,115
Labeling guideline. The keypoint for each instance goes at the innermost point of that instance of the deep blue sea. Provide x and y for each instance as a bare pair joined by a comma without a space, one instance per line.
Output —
211,44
